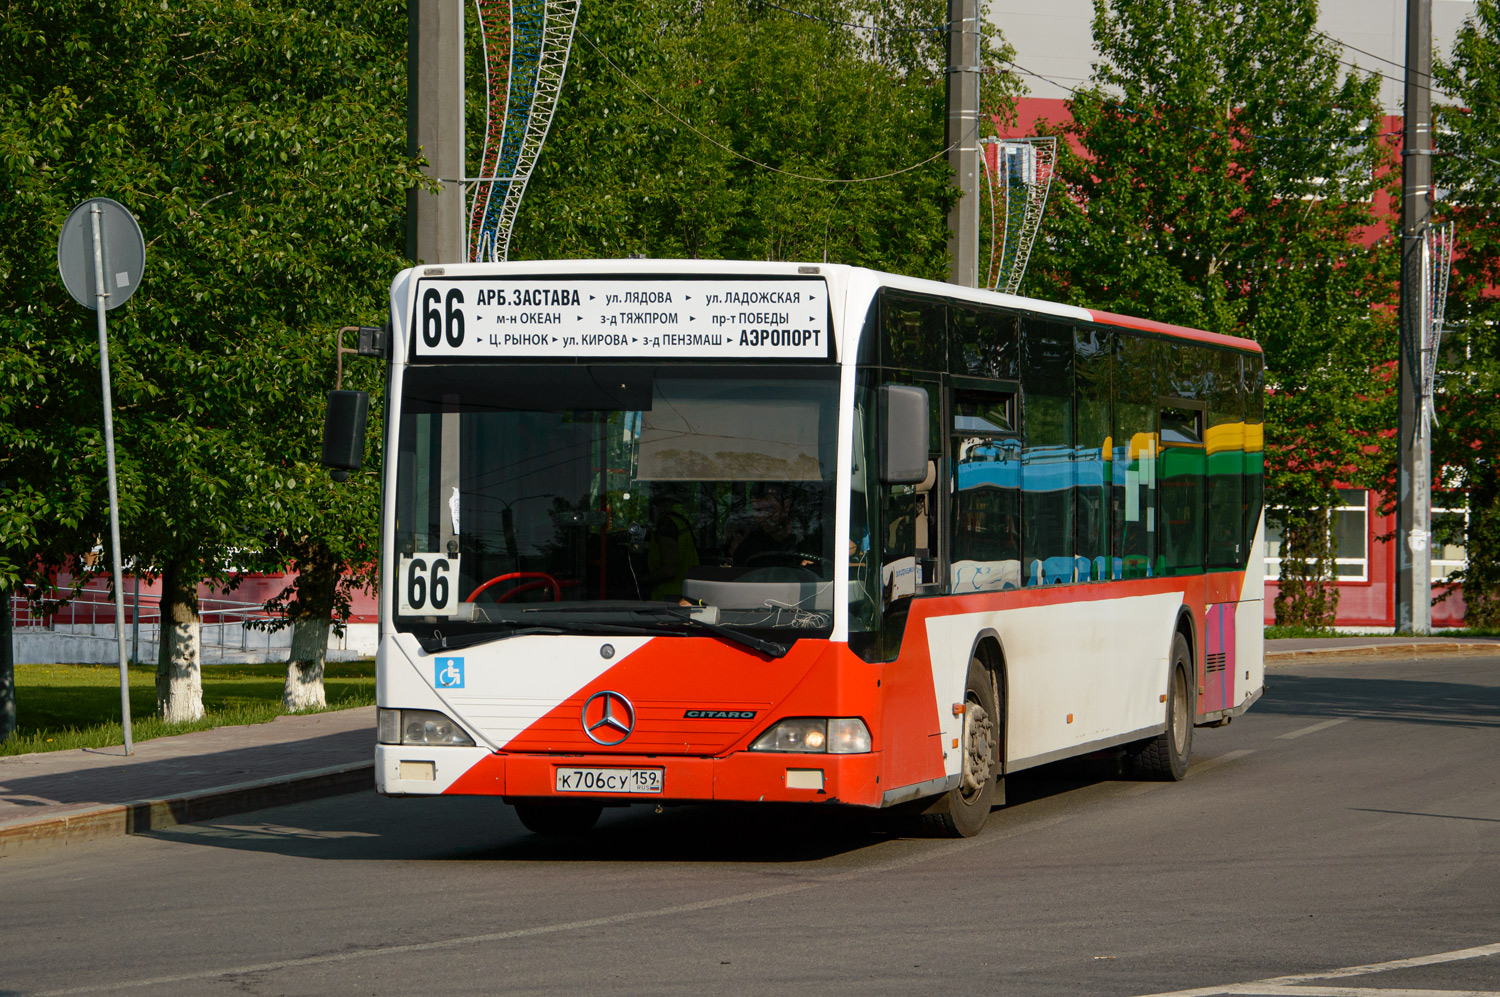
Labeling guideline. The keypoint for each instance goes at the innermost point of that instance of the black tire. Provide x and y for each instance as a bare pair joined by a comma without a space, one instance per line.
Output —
962,811
546,817
1165,756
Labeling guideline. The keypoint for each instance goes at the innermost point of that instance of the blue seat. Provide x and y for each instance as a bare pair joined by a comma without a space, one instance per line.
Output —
1034,573
1057,570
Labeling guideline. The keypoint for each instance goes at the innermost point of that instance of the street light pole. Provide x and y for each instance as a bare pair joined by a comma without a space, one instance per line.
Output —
435,223
1414,473
963,139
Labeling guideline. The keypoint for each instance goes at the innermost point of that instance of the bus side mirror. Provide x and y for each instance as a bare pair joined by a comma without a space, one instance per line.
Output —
344,432
903,434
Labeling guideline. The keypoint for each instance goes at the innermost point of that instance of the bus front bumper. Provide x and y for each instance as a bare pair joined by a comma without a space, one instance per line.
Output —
772,777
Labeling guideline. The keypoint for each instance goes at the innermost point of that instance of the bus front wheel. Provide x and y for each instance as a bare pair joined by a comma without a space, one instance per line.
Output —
962,811
1165,756
546,817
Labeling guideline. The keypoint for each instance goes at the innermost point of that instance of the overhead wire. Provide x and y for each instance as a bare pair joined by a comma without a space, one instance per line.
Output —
1075,90
1078,91
1356,48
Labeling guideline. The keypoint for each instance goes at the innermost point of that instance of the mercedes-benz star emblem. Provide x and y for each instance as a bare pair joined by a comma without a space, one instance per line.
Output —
608,718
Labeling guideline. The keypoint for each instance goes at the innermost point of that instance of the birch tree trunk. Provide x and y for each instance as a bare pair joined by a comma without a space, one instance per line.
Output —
179,673
316,579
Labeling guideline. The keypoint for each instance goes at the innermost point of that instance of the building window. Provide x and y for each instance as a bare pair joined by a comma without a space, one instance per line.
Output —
1449,528
1350,523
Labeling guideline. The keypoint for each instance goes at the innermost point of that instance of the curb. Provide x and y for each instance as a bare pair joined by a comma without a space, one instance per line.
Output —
1377,650
141,816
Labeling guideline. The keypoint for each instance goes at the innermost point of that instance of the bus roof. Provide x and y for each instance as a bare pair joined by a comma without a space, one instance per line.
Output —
1060,310
604,267
1179,331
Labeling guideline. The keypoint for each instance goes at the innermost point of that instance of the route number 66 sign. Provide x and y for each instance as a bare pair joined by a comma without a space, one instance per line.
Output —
427,585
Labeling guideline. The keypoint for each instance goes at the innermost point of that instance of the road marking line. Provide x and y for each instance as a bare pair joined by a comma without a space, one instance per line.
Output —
1418,813
1228,756
1278,985
1457,955
1313,729
1365,992
550,929
1265,990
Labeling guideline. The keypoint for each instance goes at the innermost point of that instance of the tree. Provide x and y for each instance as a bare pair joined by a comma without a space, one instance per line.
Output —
329,535
1466,441
666,101
262,147
1220,171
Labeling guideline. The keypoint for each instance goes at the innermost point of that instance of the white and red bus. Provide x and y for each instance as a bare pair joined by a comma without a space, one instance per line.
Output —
693,531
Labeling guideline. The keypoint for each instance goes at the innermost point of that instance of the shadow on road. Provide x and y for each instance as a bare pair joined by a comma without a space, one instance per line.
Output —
1355,696
366,827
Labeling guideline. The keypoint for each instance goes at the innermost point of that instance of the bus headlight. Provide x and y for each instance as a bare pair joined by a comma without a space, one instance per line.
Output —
816,735
419,727
848,736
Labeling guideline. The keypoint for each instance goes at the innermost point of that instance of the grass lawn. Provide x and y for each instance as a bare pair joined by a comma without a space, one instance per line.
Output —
78,706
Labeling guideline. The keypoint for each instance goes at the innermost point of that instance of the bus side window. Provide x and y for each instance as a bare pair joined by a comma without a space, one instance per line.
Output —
1180,489
1135,442
1047,482
864,523
912,333
908,516
1093,357
1225,443
986,552
1253,391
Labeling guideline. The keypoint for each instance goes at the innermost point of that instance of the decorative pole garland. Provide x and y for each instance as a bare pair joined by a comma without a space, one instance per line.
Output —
1019,181
526,45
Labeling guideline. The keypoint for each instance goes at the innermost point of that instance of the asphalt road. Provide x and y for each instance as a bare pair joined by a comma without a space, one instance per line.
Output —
1343,838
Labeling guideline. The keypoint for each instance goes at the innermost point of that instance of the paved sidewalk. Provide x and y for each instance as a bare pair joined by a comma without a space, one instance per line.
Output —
56,797
1287,650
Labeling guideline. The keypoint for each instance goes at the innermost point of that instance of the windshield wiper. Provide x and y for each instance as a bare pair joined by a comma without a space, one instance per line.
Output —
437,642
602,623
770,647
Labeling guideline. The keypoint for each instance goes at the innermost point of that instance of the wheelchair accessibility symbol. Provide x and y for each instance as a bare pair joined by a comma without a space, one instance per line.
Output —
450,673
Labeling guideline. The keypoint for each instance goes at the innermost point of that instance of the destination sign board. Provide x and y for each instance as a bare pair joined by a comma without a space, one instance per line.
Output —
706,318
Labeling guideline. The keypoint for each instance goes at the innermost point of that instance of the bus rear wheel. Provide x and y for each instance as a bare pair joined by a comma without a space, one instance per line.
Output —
547,817
1165,756
962,811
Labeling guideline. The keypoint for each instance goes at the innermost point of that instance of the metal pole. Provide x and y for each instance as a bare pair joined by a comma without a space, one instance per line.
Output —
963,139
135,615
7,669
109,455
1414,473
435,223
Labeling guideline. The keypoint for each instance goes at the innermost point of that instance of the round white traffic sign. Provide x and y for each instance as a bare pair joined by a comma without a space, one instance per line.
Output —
123,246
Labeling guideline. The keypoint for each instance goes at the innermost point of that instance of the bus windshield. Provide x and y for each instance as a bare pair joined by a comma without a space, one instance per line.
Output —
559,494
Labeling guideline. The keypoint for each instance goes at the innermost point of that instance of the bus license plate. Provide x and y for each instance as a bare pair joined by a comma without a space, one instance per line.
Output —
610,780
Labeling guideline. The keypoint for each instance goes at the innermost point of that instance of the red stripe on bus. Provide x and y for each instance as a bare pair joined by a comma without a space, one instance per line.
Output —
1179,331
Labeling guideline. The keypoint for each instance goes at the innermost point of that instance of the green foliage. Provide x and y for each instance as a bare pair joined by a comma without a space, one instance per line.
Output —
1466,441
1220,174
1303,596
624,173
263,149
1278,631
78,706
